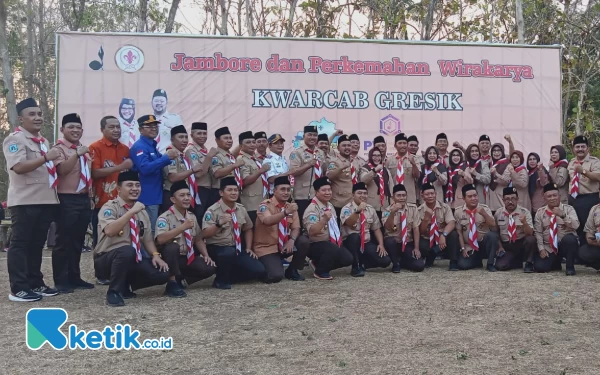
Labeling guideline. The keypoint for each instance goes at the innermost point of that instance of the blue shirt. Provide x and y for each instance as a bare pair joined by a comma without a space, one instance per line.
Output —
149,163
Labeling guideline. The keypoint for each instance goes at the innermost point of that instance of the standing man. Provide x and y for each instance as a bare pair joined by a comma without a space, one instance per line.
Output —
149,162
32,200
515,228
359,220
166,120
556,233
413,148
413,144
224,163
306,166
177,232
355,143
401,223
323,144
130,131
485,145
379,142
277,234
278,165
197,153
342,173
477,237
441,143
404,168
320,222
223,226
254,176
74,212
261,146
589,253
584,171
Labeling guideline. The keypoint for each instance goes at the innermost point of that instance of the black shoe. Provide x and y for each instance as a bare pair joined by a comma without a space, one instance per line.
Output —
528,267
491,268
570,272
396,268
80,284
24,296
429,261
357,272
45,291
114,299
128,294
182,283
291,273
220,285
64,289
102,281
173,290
453,266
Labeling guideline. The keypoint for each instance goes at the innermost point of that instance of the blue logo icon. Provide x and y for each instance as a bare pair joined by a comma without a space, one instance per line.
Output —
43,326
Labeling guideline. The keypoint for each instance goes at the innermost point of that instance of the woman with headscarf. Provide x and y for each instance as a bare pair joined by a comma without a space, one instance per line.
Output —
458,176
559,172
538,177
499,164
377,178
130,131
478,170
516,175
434,172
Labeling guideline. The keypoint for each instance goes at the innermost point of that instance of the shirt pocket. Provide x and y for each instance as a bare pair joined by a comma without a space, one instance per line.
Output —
464,223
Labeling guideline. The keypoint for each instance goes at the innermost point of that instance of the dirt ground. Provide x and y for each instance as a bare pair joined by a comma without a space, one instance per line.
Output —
436,322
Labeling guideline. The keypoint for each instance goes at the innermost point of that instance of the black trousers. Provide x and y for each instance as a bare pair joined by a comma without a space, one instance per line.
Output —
205,198
590,255
452,247
178,267
29,228
487,250
233,266
115,266
74,215
302,205
370,257
274,267
582,205
567,248
514,251
213,197
404,259
328,256
95,213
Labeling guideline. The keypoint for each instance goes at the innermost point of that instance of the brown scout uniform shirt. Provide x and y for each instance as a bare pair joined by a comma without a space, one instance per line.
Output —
29,188
252,195
341,186
360,162
224,235
372,221
313,214
462,223
502,222
372,187
412,220
443,215
194,154
542,226
266,238
410,183
302,184
560,176
170,220
590,164
176,166
592,224
112,211
219,161
68,183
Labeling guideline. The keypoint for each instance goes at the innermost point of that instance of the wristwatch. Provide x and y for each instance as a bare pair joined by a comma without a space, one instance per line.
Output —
292,238
445,234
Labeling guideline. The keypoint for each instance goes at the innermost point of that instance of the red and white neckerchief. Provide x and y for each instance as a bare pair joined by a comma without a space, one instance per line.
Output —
363,230
574,190
134,232
132,137
561,163
334,230
403,229
434,231
261,157
236,172
442,160
485,157
473,228
517,170
191,180
85,177
553,231
283,230
512,227
52,175
531,172
381,186
428,169
263,177
450,186
353,173
236,230
399,170
187,235
317,167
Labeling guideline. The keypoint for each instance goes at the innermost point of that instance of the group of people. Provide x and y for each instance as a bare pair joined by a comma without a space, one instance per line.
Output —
244,212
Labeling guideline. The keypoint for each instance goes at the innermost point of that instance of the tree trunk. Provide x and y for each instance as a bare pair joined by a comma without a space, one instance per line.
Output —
29,65
141,27
223,28
520,21
290,21
428,24
42,83
580,107
491,38
172,14
7,75
250,19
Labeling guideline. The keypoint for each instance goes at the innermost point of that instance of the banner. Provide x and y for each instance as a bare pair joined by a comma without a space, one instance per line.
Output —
280,85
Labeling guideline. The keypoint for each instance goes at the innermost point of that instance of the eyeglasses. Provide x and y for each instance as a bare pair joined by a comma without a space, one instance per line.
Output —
150,126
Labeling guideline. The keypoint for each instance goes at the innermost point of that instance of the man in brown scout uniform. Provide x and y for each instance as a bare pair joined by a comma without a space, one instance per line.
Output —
277,234
589,253
320,222
340,172
74,212
307,164
359,220
254,175
515,228
324,145
123,227
441,143
223,226
177,232
261,146
477,237
223,164
404,167
197,153
401,222
32,201
355,155
559,222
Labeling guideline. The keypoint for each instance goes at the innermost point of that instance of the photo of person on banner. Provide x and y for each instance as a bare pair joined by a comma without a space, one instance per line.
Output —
167,120
130,131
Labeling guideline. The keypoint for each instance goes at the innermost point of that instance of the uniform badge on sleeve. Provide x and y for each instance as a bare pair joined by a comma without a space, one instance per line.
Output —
161,223
331,166
207,216
262,208
346,211
107,213
194,156
173,163
386,213
13,147
293,156
215,160
139,153
313,218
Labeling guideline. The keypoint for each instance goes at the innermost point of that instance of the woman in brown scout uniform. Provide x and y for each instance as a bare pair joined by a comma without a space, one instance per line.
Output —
377,178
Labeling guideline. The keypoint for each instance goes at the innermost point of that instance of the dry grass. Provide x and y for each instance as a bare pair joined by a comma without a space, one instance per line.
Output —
436,322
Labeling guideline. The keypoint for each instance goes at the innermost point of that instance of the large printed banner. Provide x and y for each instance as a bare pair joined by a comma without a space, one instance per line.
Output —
281,85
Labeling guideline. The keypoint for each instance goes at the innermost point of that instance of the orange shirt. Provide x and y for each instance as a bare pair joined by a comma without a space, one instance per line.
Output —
106,154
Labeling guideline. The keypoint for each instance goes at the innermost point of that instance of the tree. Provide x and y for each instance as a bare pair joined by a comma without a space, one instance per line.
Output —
8,89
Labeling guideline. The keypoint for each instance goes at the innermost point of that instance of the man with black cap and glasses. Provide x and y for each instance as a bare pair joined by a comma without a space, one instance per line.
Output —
485,146
224,163
342,173
166,120
441,143
404,167
324,145
356,157
32,199
197,153
261,145
254,175
413,145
